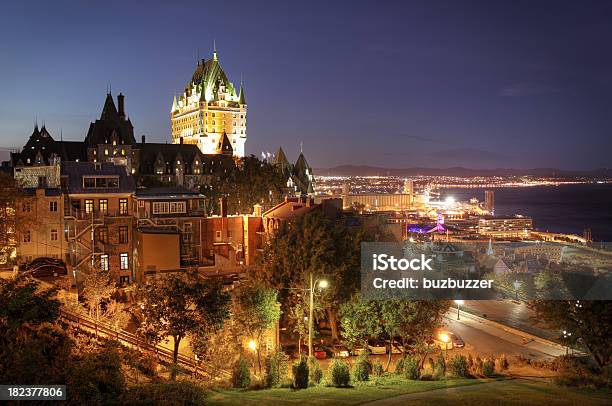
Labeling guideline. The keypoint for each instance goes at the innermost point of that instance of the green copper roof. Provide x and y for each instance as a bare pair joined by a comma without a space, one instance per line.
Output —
242,96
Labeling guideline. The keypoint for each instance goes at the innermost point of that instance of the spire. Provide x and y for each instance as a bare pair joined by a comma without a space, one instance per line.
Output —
490,249
241,97
174,104
215,50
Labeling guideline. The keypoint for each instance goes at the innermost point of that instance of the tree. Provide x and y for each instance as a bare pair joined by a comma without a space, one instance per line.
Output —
182,304
32,349
22,301
97,290
251,181
258,310
589,323
12,219
360,320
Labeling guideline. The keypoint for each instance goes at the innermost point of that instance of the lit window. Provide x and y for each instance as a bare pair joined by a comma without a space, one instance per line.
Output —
123,206
124,263
104,262
89,206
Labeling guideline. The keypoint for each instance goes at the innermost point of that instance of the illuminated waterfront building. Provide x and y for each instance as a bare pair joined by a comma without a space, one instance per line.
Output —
505,227
209,107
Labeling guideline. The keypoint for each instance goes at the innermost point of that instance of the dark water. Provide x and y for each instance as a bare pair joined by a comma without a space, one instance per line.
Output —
567,208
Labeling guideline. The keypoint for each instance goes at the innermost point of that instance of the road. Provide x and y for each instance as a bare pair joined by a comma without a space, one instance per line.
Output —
511,313
483,339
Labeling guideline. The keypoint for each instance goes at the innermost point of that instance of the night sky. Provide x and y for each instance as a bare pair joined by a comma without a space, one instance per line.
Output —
398,84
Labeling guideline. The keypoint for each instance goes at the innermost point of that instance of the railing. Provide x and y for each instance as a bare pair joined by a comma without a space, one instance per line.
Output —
128,339
95,215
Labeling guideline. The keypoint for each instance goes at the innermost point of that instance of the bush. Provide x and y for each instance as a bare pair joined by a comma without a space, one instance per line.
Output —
170,393
458,366
315,373
362,368
488,367
377,368
300,374
502,363
477,366
412,369
276,369
440,367
432,365
339,373
241,375
575,372
399,366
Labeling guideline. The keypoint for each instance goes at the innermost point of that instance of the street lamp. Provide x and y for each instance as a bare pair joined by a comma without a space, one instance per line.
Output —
252,345
459,302
445,339
517,285
322,285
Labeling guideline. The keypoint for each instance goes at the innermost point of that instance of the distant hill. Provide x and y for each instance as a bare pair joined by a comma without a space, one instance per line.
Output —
362,170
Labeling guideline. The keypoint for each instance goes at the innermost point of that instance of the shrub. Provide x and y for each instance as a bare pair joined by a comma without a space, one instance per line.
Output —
241,375
339,373
502,363
276,369
377,368
362,368
315,373
470,361
300,374
399,366
477,366
488,367
458,366
432,365
573,371
412,369
170,393
440,368
147,363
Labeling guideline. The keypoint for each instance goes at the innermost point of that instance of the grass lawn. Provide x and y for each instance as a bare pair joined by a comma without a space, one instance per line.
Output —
514,392
465,392
321,395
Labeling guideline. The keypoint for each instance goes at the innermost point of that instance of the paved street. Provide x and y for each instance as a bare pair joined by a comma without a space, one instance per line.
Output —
511,313
483,339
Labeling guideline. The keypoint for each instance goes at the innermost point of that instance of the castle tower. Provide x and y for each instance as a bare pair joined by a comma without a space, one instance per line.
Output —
209,107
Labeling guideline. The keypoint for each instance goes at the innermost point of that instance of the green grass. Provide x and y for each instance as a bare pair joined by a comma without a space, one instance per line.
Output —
321,395
514,393
490,391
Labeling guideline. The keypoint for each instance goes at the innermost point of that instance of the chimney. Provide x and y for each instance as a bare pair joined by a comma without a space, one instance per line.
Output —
121,102
223,206
143,138
257,210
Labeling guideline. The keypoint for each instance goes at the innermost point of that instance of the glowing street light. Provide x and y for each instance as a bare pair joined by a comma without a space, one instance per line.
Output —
252,345
445,339
322,284
459,302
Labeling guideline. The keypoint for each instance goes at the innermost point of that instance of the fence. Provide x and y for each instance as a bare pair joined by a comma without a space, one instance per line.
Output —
131,340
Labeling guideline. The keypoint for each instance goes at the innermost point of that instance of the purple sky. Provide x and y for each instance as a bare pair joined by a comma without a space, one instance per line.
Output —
478,84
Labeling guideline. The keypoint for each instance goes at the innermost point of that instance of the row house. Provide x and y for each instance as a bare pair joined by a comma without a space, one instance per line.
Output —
98,216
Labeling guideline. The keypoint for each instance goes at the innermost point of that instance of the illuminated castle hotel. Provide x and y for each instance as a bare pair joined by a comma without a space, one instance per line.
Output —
210,113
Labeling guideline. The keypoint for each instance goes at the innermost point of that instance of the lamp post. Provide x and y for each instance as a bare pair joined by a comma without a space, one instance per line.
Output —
445,339
459,302
313,283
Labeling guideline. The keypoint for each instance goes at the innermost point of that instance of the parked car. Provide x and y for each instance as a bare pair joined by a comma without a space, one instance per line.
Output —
377,346
340,351
440,343
396,347
456,340
358,350
44,266
319,352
